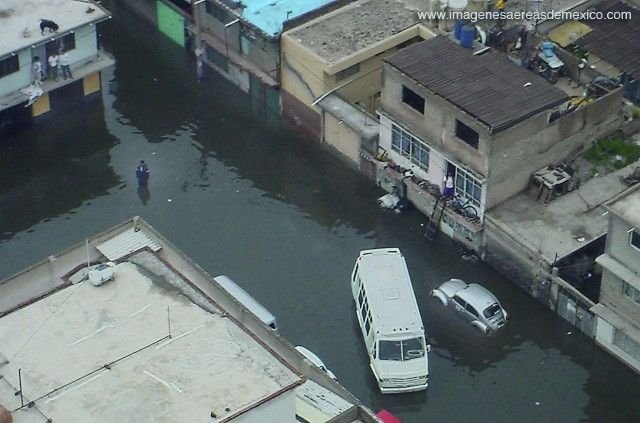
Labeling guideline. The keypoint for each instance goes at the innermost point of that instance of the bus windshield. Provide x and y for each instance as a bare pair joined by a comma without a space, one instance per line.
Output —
406,349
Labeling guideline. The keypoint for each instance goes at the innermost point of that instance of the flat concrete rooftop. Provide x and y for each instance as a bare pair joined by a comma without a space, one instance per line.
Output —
355,27
628,206
564,225
210,364
20,20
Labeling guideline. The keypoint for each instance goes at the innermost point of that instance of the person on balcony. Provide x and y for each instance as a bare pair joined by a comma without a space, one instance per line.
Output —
448,186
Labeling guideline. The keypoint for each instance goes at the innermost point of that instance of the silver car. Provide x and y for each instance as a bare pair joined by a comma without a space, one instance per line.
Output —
473,302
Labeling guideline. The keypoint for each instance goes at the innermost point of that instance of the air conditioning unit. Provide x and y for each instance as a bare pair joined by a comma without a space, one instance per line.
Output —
102,273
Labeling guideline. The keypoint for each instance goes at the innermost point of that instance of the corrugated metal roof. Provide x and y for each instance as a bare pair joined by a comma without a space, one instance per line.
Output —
126,243
316,403
488,86
616,41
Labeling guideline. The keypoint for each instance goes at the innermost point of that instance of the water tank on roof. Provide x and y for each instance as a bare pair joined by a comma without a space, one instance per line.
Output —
548,49
467,35
457,29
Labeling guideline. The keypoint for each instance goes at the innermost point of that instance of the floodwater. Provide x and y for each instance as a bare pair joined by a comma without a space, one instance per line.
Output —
245,196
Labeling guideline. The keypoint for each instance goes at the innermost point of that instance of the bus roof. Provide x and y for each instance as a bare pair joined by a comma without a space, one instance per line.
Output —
392,301
247,300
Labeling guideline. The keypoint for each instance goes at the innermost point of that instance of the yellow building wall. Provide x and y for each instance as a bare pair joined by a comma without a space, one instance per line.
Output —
302,72
41,106
342,137
307,76
91,83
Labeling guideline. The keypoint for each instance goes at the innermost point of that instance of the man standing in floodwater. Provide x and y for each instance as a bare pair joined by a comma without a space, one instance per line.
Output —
142,173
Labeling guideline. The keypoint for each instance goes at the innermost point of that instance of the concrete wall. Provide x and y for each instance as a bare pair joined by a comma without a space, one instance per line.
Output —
611,290
13,82
605,336
306,76
437,163
279,409
302,73
362,87
517,261
86,45
337,134
611,295
301,115
437,125
507,158
252,43
618,245
519,151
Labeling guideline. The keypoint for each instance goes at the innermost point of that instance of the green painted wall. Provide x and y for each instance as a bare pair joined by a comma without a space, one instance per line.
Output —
170,23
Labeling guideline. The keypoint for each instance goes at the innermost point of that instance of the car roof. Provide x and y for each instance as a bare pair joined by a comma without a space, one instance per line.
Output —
477,296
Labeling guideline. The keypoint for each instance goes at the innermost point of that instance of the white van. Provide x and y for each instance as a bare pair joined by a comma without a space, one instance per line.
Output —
247,301
390,321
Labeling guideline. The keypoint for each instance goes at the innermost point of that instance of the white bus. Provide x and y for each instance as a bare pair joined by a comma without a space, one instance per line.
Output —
390,321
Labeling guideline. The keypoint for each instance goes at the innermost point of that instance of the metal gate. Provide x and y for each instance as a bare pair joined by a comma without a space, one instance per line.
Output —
170,23
575,312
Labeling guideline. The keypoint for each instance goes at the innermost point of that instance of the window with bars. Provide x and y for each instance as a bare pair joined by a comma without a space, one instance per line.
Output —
410,147
468,187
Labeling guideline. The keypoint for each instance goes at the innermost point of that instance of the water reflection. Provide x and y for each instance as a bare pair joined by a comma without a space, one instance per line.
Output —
51,168
144,194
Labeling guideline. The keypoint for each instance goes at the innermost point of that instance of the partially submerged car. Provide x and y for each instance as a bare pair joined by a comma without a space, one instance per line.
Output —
316,361
473,302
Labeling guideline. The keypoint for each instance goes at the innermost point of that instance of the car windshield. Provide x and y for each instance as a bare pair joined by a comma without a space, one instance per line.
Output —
406,349
491,311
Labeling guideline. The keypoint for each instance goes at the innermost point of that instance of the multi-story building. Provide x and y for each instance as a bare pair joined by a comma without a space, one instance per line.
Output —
618,312
126,325
242,39
23,43
475,115
341,53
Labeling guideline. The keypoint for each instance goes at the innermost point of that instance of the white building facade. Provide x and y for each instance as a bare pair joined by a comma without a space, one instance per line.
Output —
23,42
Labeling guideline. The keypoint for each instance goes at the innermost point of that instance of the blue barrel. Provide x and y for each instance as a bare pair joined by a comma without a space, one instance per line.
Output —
467,35
457,29
548,48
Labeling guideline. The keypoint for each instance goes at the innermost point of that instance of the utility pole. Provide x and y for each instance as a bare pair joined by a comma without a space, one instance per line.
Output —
197,7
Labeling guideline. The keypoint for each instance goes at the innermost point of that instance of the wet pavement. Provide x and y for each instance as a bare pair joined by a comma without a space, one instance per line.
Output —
243,195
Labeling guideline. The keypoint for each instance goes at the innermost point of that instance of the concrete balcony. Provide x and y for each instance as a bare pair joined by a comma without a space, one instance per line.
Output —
79,70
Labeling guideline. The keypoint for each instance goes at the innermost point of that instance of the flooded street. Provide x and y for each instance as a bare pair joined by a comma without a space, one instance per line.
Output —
244,195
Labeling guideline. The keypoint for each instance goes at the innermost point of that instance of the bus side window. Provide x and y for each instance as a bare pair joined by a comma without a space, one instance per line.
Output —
355,274
375,349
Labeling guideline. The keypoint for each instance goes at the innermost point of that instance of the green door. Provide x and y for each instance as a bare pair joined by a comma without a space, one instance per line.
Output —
170,23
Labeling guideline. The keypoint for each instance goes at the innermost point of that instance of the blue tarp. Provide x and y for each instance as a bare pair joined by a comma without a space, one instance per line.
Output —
269,15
